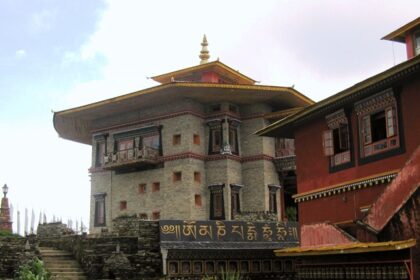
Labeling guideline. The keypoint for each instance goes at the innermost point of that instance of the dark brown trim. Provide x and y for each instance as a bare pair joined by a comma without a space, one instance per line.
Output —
177,114
332,169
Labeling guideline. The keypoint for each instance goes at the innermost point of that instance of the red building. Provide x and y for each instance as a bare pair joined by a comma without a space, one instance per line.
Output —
358,174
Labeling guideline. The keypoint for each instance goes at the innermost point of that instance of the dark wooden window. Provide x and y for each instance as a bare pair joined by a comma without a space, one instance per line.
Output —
378,124
233,108
216,140
336,140
233,139
151,141
272,198
100,153
176,139
217,209
177,176
235,205
99,210
142,188
273,202
155,187
215,108
125,148
123,205
284,147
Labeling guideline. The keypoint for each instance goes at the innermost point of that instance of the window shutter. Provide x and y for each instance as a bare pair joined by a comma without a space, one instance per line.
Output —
367,134
344,137
391,122
328,143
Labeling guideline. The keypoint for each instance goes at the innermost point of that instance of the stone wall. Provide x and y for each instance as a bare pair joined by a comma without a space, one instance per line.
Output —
13,254
257,216
189,197
130,252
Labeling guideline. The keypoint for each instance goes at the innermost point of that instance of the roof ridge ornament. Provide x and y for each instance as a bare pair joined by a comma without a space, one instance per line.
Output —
204,53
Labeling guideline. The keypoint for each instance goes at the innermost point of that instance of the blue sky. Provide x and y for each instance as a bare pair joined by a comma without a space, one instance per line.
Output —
61,54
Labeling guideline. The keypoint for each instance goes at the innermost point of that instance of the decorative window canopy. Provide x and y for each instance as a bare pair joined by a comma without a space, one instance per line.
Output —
376,102
336,119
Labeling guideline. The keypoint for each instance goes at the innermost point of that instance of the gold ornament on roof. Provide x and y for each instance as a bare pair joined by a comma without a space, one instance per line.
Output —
204,54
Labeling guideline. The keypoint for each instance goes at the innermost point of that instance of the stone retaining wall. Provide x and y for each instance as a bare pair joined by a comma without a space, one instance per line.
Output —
13,254
130,252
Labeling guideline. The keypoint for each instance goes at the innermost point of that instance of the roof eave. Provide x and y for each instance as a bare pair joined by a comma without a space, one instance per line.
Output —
396,72
163,78
399,34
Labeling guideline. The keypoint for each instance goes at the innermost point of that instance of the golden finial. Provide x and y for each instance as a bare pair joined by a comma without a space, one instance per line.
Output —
204,54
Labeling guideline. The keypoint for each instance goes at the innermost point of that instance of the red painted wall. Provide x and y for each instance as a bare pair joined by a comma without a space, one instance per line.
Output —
313,171
409,45
210,77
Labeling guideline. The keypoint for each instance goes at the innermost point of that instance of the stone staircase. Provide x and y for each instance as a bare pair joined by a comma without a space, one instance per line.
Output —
61,264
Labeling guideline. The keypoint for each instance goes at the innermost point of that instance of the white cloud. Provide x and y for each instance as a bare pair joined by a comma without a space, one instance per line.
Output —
42,21
280,43
20,53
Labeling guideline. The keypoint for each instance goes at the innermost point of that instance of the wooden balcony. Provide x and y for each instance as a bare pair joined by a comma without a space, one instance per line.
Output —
132,158
285,163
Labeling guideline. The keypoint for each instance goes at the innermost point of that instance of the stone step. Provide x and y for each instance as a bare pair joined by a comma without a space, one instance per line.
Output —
61,265
60,269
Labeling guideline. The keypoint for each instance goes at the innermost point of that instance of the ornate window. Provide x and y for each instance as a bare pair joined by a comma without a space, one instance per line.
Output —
125,148
100,151
136,143
216,137
272,198
217,209
99,219
378,124
151,141
336,140
233,136
235,204
284,147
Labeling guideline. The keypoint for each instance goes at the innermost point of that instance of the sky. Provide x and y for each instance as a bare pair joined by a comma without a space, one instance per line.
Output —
56,55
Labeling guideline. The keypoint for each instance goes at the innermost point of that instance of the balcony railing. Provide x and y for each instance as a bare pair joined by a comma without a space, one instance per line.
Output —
134,157
287,163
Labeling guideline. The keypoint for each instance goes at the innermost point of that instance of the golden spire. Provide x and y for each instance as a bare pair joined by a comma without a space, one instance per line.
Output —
204,54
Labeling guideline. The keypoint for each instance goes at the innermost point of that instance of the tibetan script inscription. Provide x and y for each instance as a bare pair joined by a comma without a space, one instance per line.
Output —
228,231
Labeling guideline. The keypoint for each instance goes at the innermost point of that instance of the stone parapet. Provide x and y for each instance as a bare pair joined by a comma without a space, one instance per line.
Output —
14,252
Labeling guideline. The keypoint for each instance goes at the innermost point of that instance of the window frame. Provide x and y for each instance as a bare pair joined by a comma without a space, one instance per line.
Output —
217,199
398,133
100,221
339,125
235,200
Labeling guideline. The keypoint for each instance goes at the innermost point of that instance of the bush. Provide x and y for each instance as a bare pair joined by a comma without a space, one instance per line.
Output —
225,276
33,270
8,234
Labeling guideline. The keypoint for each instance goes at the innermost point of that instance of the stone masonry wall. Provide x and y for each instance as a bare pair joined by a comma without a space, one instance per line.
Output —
14,254
130,252
188,198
